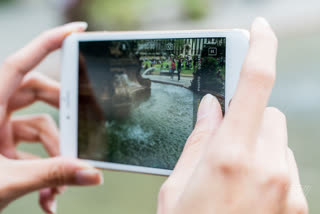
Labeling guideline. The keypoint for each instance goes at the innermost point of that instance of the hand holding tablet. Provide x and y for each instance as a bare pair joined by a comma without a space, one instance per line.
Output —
120,89
240,163
22,172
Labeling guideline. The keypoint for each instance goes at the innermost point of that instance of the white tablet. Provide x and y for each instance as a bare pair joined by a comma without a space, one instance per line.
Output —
129,99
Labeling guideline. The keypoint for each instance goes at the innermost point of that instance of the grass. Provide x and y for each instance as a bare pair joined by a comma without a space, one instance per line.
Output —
184,71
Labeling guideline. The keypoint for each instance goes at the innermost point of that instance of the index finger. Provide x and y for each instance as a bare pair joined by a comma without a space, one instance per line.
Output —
256,82
17,65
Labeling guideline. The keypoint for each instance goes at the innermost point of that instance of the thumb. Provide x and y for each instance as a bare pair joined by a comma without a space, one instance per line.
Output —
33,175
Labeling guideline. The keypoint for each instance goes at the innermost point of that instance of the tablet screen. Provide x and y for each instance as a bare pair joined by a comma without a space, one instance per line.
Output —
138,99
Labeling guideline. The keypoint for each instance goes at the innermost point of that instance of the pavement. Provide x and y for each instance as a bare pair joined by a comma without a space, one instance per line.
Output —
184,81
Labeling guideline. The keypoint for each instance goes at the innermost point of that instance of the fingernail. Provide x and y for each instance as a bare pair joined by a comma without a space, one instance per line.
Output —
53,207
261,21
205,106
89,177
84,165
78,26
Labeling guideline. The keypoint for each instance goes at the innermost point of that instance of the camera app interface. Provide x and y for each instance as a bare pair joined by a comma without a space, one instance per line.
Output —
138,99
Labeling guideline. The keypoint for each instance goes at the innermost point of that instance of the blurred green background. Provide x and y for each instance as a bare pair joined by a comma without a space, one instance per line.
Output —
297,90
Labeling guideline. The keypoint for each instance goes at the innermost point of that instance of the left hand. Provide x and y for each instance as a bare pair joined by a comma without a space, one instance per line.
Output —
18,89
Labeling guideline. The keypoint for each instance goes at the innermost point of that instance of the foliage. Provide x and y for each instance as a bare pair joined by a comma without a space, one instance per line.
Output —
212,76
115,14
5,1
165,63
129,14
196,9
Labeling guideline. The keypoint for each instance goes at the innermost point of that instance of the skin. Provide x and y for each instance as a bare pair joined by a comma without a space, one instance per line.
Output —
25,173
239,164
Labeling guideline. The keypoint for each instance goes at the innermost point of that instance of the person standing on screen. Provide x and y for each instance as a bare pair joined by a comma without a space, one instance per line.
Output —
173,67
179,68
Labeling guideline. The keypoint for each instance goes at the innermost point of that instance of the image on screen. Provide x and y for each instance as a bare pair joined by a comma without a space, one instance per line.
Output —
138,99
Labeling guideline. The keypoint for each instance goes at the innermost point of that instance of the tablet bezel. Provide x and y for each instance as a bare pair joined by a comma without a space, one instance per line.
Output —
236,49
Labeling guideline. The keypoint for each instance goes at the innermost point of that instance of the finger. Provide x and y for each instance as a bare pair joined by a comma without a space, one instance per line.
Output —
47,196
35,87
256,82
208,120
16,66
297,202
34,175
271,157
37,128
26,156
48,201
273,140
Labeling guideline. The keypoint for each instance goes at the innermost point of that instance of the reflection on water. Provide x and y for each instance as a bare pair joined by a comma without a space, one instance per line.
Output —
156,130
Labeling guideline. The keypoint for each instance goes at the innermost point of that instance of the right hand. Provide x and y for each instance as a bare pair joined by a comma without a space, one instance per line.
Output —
240,164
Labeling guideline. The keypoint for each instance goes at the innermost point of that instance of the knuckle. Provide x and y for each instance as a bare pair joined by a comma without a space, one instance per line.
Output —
9,64
55,175
165,198
168,193
44,118
279,182
30,81
255,72
196,138
231,166
300,207
165,191
48,41
32,78
231,162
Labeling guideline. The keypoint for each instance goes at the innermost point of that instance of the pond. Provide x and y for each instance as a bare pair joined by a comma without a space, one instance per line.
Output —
156,130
